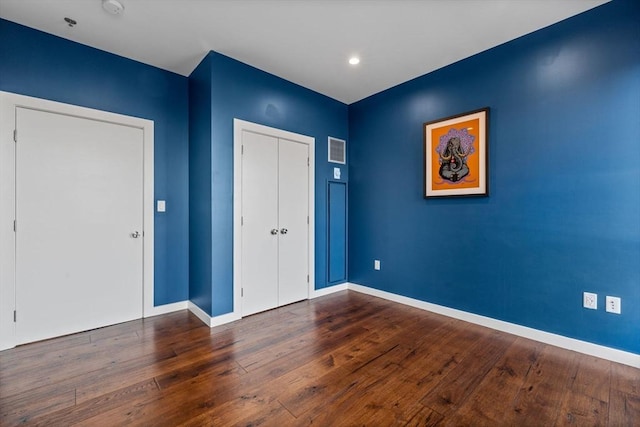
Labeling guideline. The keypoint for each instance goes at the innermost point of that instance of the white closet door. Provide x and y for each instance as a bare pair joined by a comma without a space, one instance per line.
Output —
259,223
293,213
79,203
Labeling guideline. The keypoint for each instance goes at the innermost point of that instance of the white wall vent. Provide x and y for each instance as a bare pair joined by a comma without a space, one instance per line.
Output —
337,151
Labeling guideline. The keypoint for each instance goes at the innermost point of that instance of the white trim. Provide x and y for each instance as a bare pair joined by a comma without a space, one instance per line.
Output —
212,321
328,290
200,313
8,104
166,308
224,318
591,349
238,127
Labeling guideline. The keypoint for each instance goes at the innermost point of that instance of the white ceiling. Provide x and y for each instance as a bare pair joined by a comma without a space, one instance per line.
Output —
305,41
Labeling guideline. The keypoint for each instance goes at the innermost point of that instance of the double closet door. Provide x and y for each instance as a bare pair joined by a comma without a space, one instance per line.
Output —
275,216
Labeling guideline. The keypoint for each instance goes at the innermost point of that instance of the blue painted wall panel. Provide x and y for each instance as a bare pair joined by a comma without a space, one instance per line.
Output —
44,66
563,216
200,186
337,224
244,92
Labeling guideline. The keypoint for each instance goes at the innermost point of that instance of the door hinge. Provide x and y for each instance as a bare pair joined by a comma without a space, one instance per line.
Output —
15,135
308,164
307,219
241,292
15,316
15,226
242,149
307,278
241,220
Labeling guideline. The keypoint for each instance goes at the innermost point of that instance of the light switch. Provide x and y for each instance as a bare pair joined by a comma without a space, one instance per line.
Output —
162,206
336,173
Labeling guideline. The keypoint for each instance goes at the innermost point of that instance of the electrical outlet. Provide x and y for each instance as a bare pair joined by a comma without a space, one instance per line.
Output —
590,300
613,304
376,264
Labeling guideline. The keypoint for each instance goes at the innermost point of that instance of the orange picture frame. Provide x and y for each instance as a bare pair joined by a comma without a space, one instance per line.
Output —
456,155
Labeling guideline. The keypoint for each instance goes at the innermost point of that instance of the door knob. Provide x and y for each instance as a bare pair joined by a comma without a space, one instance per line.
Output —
274,231
284,231
135,234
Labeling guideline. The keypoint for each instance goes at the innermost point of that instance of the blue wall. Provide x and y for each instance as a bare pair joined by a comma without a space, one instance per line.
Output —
241,91
41,65
563,214
200,248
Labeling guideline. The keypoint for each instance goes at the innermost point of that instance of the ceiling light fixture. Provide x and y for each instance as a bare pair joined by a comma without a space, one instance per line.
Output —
354,60
114,7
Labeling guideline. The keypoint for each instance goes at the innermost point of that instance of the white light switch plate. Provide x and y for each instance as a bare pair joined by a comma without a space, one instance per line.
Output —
336,173
162,206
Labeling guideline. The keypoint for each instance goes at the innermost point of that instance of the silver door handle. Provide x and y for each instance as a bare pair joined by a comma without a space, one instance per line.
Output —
135,234
274,231
284,231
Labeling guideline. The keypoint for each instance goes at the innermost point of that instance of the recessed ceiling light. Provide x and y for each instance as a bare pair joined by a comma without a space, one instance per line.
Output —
354,60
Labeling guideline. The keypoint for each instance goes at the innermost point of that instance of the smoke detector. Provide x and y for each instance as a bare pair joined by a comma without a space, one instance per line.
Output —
114,7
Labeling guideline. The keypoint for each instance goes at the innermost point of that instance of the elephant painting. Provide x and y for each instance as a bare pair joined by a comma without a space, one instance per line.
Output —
453,150
453,161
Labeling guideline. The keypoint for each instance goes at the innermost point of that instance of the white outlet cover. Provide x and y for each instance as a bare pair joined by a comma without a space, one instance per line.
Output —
590,300
376,264
613,304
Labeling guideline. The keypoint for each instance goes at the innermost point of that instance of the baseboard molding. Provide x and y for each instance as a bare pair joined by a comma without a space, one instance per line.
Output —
212,321
233,316
328,290
166,308
584,347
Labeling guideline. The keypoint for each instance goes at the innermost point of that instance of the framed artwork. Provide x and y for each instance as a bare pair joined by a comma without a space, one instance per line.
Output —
455,155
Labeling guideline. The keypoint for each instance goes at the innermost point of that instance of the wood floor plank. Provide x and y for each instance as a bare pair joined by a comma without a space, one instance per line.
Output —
346,359
248,410
625,379
460,383
582,410
624,409
22,408
88,411
544,388
501,384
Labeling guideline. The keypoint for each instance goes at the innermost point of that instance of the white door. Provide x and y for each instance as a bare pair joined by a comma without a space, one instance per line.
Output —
275,232
293,213
79,211
259,222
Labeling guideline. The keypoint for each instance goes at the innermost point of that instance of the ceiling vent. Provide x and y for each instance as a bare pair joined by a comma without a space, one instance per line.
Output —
337,152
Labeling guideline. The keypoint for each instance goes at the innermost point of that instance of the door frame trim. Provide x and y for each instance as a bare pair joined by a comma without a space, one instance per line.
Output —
238,127
8,104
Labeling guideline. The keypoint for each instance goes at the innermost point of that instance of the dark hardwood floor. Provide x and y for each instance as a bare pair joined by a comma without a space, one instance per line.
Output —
344,359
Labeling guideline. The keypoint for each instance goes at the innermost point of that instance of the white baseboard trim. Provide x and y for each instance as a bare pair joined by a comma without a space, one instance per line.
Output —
328,290
584,347
233,316
215,320
225,318
166,308
200,313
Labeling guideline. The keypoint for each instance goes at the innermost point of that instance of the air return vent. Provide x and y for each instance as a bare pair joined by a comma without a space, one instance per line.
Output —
337,150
